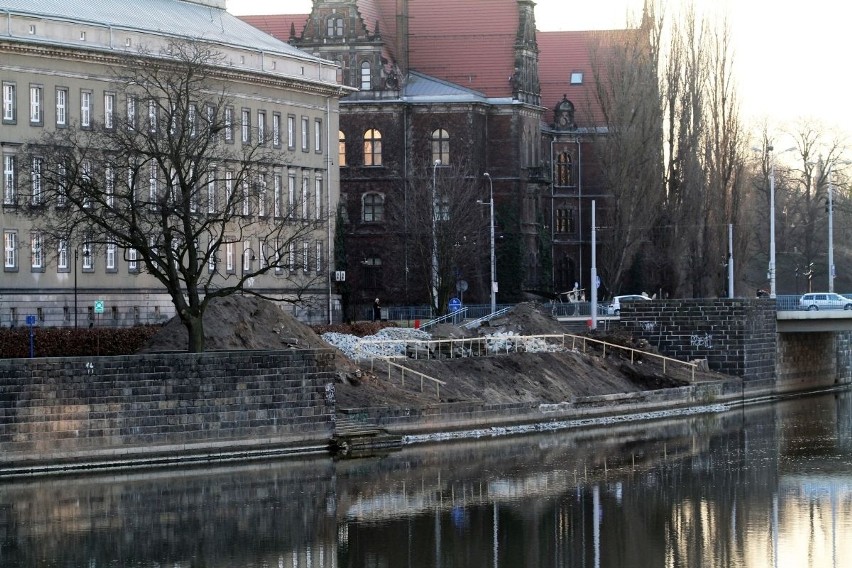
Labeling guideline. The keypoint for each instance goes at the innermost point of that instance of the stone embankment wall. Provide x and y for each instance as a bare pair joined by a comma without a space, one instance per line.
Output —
160,407
736,336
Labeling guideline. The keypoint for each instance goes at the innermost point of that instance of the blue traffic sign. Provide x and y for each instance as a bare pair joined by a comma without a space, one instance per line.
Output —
455,304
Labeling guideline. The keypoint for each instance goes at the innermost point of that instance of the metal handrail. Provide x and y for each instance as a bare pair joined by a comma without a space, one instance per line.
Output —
443,318
474,323
606,344
403,369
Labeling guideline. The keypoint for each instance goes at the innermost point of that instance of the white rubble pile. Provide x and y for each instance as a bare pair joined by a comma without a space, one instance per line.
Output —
388,342
509,342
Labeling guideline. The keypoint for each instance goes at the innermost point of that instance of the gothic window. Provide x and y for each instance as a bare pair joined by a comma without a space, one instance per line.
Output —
372,148
564,221
374,208
564,169
366,76
334,26
441,146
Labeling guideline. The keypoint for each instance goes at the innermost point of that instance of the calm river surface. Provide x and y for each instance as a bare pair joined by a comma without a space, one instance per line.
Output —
760,486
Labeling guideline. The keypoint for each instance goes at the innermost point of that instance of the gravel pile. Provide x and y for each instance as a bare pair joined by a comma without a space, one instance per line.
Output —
392,342
388,342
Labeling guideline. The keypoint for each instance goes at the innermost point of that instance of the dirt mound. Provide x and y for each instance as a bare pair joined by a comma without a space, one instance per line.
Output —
527,318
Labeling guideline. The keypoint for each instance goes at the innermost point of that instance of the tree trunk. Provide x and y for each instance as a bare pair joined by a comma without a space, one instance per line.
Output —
195,333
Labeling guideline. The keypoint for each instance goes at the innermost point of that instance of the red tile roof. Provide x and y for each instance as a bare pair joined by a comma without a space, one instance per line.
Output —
560,54
278,25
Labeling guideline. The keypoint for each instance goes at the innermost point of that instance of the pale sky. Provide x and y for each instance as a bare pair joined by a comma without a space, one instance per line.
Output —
790,57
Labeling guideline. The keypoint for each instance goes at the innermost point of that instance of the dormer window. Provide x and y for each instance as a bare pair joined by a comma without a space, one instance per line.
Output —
576,77
334,26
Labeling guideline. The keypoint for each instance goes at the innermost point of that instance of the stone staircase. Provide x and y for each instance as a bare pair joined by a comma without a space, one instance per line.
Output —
354,437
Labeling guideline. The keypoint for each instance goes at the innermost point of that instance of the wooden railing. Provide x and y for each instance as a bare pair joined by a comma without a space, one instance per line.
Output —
422,376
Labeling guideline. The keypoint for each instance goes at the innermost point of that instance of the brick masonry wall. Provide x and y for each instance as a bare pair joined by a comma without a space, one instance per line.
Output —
736,336
125,408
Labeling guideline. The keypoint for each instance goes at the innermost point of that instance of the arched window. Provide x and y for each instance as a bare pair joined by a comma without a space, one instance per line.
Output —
366,76
372,148
441,146
564,166
374,208
334,27
341,148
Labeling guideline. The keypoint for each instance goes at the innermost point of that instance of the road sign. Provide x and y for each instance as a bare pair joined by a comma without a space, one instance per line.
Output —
99,306
31,320
455,304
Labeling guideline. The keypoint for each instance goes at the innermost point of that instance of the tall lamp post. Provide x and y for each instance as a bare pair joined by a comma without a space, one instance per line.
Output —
434,235
493,259
772,289
75,287
830,235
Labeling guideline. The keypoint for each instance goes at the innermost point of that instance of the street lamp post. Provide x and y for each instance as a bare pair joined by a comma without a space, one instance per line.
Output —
434,235
75,287
830,235
493,259
772,289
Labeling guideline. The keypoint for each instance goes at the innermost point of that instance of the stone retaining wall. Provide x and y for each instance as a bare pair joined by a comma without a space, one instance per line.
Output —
174,405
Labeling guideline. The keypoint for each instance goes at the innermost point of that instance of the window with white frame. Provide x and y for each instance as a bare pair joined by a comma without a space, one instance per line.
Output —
10,248
276,196
229,191
210,118
366,76
131,112
229,124
88,257
334,26
36,181
10,183
110,256
291,195
441,146
318,135
10,107
109,110
318,198
36,251
153,115
61,106
211,255
109,186
318,256
132,260
245,198
341,148
245,126
276,129
86,109
305,196
61,184
291,132
229,257
374,208
305,258
372,148
62,256
247,256
261,127
36,104
261,195
211,190
291,255
191,119
153,185
305,134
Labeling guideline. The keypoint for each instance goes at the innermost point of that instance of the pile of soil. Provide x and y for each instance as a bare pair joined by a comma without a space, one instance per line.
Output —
247,322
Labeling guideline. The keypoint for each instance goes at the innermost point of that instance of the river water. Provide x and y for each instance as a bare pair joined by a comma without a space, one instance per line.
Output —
757,486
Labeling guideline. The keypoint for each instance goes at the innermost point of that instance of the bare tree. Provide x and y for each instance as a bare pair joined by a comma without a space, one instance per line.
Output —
625,72
447,227
165,183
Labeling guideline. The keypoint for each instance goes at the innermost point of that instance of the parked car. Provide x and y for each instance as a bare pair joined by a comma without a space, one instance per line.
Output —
614,308
824,301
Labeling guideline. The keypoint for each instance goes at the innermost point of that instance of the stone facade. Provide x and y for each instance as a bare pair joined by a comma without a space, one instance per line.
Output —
163,407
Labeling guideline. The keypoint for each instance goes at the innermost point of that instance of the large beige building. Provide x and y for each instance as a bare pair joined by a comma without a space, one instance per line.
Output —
57,70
